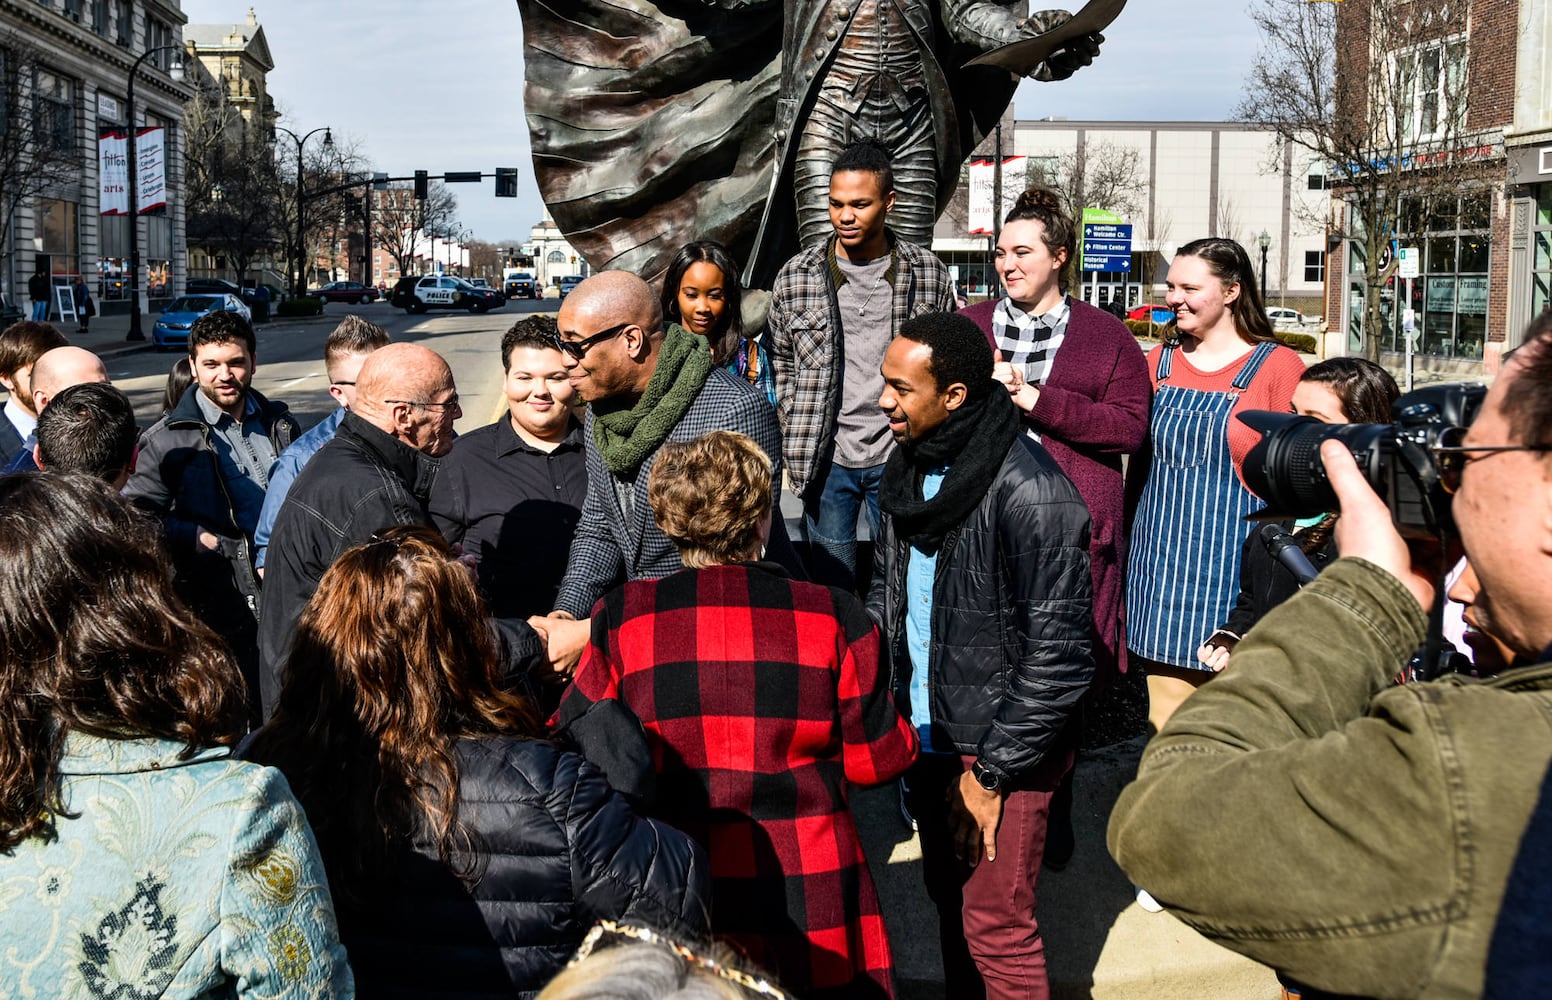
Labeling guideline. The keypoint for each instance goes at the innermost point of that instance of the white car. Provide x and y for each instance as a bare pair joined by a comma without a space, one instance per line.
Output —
1283,316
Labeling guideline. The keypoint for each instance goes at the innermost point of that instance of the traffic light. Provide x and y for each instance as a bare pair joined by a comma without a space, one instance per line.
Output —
506,182
422,185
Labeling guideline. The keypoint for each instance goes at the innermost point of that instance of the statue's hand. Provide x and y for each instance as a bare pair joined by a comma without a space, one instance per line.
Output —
1065,62
1042,21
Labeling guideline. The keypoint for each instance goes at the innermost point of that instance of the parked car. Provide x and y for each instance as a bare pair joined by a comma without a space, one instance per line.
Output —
416,294
220,286
1283,316
344,291
1159,314
569,282
521,284
478,282
171,328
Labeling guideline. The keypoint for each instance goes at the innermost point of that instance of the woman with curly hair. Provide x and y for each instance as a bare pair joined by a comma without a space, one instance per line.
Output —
137,857
468,856
762,701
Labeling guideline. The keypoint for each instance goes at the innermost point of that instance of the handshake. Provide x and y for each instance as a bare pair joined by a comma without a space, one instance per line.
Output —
564,639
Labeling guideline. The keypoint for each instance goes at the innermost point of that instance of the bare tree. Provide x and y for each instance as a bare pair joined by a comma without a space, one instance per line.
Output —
1094,175
399,219
1375,89
39,140
232,186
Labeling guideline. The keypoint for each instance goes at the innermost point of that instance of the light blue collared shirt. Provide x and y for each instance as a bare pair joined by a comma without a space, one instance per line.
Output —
920,571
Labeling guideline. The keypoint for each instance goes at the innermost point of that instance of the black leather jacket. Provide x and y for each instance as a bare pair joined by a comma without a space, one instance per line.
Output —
557,851
1010,653
178,478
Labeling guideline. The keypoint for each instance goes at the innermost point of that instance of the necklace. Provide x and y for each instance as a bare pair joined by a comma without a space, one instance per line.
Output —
872,292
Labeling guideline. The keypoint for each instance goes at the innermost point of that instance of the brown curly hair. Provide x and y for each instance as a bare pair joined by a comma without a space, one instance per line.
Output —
393,662
93,640
709,495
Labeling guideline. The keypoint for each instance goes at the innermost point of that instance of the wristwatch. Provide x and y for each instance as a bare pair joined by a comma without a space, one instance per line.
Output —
986,777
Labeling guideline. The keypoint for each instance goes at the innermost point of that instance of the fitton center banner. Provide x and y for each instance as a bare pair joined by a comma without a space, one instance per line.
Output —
983,183
113,170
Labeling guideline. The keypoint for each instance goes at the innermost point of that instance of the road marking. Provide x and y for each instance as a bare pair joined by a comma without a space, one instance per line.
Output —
304,378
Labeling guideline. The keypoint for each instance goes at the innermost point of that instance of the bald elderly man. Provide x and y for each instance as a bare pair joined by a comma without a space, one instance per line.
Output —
55,370
645,383
375,473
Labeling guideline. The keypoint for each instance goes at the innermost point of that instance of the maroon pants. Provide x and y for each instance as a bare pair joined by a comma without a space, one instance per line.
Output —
986,914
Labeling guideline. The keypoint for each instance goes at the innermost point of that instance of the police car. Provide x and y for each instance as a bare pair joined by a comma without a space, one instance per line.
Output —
417,294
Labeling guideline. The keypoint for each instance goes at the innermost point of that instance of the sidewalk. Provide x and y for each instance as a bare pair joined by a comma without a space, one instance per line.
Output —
1100,945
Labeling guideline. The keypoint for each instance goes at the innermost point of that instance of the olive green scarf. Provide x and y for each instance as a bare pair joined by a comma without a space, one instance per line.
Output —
626,437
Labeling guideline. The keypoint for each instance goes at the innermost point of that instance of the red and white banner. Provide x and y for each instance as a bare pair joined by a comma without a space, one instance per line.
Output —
113,170
112,173
150,150
983,183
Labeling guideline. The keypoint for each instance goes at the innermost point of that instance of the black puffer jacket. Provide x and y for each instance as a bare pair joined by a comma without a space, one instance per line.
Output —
558,851
1010,653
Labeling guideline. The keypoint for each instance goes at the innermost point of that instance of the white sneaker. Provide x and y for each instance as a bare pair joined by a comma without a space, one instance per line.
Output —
1146,901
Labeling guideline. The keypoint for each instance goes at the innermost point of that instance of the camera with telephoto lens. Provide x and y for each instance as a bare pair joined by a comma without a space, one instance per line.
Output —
1399,459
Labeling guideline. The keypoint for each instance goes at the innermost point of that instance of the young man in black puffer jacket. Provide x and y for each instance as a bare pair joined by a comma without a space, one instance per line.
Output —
982,591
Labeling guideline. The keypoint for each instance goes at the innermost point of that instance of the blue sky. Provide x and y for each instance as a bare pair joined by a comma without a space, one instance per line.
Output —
439,86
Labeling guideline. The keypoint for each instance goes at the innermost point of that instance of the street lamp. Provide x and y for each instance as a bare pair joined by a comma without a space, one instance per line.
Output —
175,71
1266,244
299,284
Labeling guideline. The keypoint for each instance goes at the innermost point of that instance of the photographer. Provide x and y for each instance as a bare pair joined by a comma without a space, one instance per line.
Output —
1366,836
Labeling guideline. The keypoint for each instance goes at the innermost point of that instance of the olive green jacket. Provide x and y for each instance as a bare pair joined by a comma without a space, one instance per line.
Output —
1357,836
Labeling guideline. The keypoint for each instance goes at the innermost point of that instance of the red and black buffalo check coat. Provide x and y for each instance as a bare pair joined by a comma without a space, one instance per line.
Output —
761,698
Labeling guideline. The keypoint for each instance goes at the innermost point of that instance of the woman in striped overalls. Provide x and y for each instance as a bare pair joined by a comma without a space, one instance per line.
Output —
1190,520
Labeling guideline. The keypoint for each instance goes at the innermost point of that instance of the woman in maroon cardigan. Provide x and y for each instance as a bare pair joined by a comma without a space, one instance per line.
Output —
1082,382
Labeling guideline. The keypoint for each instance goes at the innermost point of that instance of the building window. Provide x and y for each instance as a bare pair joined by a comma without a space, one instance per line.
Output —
54,100
123,22
1314,266
1541,254
100,16
57,235
159,35
1430,80
73,9
1449,299
1317,182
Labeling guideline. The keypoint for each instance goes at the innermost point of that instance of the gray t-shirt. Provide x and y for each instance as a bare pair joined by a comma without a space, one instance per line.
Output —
866,302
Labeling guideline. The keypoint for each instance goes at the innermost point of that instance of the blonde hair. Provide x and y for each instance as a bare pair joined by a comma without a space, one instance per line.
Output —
709,495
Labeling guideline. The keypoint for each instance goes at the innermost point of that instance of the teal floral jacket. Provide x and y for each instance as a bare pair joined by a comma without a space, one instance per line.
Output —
189,879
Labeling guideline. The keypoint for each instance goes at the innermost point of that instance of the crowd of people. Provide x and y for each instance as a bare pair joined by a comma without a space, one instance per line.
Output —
557,708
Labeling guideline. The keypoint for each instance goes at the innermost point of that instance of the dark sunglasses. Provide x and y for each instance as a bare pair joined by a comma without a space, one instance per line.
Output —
1452,457
579,348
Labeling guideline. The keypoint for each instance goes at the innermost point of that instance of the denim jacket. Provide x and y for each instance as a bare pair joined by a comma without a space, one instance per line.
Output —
178,878
1355,835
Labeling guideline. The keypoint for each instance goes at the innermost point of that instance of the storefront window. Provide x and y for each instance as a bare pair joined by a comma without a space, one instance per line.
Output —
158,237
113,257
1541,254
1450,298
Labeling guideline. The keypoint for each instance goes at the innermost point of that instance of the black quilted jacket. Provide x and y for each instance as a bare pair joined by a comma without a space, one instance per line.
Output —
558,851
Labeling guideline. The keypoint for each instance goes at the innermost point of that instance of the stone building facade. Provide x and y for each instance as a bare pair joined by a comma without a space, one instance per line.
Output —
68,62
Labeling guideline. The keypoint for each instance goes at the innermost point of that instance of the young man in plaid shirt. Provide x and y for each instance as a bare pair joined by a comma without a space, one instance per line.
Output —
834,309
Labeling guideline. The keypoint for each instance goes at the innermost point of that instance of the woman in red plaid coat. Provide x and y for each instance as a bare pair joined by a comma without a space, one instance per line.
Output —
761,698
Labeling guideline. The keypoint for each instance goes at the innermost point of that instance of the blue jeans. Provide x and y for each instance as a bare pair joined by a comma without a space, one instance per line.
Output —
830,522
40,310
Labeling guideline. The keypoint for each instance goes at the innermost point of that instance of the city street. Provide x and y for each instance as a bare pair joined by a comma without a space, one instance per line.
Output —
291,358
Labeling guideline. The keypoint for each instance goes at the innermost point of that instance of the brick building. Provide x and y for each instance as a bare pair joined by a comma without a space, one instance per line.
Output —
1442,76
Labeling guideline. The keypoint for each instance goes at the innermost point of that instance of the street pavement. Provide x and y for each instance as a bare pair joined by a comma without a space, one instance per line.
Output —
1099,943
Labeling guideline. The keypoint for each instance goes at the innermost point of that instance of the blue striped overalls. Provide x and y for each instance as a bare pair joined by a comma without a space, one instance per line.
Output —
1190,525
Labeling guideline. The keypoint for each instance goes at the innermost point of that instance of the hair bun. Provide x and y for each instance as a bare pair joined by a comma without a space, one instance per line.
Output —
1039,199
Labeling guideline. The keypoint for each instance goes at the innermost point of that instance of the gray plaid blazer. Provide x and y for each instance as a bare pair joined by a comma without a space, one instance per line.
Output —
806,355
611,545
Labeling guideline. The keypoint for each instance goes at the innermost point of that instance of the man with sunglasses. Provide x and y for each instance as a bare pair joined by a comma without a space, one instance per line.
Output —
645,384
1368,839
375,473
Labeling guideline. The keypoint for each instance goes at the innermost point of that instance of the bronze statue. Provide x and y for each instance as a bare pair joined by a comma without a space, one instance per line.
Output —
654,124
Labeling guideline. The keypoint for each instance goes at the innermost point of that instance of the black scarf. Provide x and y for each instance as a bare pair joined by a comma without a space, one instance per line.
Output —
972,442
